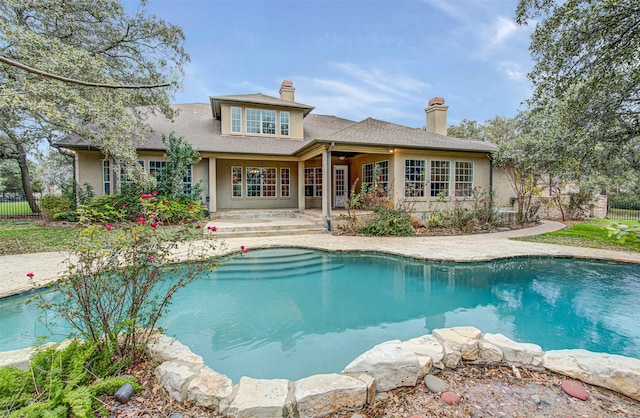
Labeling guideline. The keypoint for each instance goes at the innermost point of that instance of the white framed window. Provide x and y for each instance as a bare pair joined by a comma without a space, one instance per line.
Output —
367,175
382,171
284,123
236,181
261,181
463,184
124,178
187,181
313,182
414,178
236,119
285,182
106,177
156,166
440,175
261,121
376,174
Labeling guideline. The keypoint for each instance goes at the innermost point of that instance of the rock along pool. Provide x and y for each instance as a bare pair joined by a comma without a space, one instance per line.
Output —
292,313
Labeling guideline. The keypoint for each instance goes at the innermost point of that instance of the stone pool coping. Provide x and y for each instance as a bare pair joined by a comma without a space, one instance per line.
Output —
47,267
386,366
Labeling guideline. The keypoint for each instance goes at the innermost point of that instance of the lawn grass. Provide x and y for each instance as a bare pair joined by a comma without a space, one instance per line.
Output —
29,237
15,208
592,233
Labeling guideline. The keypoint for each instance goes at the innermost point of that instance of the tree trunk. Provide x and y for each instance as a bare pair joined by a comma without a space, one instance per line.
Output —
26,179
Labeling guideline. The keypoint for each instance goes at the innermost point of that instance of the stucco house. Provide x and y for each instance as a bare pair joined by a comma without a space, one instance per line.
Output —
263,152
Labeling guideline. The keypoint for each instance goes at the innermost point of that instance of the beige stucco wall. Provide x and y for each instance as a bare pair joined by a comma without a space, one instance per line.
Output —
502,188
296,128
90,169
224,193
481,174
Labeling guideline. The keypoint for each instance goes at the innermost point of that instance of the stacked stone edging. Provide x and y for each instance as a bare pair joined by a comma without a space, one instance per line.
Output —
386,366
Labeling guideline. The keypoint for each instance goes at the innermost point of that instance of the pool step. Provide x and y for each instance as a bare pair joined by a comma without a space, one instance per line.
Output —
262,223
269,264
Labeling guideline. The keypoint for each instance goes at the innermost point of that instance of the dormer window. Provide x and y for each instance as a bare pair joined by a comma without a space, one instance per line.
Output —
236,120
260,121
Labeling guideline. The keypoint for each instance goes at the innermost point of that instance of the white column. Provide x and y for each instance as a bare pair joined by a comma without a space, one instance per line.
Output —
397,191
302,205
326,182
213,207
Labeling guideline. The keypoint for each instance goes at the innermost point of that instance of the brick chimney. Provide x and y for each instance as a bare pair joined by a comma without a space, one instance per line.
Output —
436,116
287,91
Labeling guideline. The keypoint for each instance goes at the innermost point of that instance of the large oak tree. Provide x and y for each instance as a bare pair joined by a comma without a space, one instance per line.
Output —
586,79
95,41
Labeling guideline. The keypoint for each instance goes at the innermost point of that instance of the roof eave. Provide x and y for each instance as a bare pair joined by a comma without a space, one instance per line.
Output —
216,100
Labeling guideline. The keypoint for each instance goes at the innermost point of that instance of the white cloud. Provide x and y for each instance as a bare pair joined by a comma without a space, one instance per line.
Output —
496,35
357,92
381,80
513,70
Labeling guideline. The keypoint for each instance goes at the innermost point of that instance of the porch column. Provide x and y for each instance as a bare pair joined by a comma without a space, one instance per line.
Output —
302,205
326,183
397,191
213,207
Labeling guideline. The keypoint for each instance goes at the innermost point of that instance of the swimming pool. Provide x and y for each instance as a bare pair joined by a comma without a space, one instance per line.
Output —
291,313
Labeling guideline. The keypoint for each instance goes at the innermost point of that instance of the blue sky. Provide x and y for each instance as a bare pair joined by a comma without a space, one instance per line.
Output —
356,59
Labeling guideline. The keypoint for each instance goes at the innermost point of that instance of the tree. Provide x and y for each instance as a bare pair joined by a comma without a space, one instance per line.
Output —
94,41
54,170
586,78
466,129
10,178
181,157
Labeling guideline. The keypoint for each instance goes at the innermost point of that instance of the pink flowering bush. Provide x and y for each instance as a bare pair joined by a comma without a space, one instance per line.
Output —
121,278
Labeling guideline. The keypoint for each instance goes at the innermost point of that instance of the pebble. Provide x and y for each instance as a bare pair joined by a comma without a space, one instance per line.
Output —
536,399
450,398
175,415
573,388
435,384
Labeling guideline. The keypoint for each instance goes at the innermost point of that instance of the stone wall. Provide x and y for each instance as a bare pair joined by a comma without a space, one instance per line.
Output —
385,367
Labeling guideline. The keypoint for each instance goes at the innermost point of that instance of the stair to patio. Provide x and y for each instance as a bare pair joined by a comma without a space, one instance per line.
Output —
262,223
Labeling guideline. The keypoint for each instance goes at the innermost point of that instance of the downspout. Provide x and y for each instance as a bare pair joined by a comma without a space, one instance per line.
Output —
490,172
329,183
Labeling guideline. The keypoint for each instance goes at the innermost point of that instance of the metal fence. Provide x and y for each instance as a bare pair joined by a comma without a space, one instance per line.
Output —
623,211
15,206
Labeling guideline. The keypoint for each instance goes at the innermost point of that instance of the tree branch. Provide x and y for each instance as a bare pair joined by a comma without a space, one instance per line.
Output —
78,82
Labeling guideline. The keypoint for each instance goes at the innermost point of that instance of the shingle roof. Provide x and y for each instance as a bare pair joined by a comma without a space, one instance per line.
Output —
377,132
194,123
257,98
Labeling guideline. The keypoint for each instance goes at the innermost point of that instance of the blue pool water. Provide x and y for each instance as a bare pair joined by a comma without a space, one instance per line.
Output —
290,313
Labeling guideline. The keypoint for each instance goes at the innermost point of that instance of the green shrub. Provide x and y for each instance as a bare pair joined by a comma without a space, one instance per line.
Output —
61,383
175,211
389,221
16,390
55,204
106,209
121,278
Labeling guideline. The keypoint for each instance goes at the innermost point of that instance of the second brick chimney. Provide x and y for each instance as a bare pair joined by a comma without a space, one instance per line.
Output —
287,91
436,116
